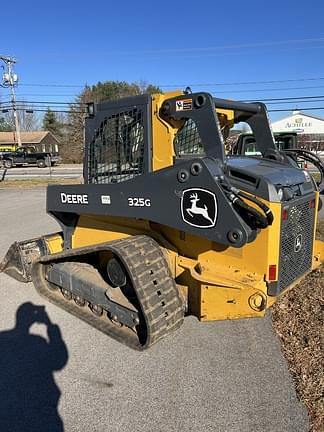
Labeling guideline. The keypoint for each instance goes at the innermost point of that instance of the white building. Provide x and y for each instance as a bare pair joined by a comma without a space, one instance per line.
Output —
300,123
310,129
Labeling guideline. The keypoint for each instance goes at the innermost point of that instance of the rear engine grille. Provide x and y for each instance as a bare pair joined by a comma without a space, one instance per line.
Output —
296,243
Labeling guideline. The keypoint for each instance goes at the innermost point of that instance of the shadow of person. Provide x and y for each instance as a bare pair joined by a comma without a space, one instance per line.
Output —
29,395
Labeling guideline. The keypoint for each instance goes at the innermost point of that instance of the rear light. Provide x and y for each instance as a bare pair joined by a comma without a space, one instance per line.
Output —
285,215
312,204
272,272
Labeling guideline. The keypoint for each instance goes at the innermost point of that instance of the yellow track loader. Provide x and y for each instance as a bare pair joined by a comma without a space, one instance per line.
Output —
167,225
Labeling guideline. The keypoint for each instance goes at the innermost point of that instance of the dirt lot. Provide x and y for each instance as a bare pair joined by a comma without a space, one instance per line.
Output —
298,320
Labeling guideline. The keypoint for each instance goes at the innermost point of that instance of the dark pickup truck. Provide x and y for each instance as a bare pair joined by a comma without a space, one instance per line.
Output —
28,156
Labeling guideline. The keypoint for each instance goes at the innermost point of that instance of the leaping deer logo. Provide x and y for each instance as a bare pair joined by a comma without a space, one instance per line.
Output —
194,210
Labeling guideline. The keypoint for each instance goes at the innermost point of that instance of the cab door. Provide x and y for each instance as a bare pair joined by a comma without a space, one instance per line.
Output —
19,157
29,155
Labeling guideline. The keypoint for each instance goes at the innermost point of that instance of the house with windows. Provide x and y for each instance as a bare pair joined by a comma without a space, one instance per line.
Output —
42,141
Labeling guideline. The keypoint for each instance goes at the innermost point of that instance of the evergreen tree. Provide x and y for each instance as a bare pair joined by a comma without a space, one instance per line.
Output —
52,124
5,126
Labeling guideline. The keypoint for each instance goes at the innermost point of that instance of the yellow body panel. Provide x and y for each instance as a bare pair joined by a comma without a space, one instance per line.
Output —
318,254
226,117
55,243
98,229
162,134
318,250
218,303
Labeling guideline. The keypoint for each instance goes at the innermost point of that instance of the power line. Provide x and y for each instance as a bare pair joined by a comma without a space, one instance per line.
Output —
26,104
215,92
246,45
283,98
45,110
83,112
299,109
269,101
55,85
47,102
185,85
60,106
47,95
265,90
294,102
168,50
41,109
240,83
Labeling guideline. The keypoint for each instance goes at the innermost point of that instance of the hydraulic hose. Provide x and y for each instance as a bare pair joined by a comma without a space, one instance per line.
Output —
264,207
309,156
248,213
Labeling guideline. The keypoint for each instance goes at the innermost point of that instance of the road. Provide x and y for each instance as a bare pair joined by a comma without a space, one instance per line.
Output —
61,171
225,376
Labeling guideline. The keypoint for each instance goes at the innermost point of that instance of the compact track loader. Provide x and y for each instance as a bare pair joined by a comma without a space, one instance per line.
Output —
167,225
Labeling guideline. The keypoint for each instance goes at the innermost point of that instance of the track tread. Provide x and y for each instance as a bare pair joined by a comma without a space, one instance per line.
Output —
161,305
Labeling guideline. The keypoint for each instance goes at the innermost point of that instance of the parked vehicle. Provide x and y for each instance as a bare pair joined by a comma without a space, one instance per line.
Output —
246,143
28,156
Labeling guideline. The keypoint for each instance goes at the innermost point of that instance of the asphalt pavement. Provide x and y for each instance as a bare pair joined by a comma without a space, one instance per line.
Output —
227,376
33,172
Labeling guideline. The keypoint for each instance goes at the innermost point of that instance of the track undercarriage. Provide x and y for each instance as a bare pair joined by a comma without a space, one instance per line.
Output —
122,288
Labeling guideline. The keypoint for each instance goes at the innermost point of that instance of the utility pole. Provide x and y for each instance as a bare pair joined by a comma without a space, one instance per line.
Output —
10,79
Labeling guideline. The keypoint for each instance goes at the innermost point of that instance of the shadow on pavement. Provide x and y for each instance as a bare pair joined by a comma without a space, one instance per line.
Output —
29,395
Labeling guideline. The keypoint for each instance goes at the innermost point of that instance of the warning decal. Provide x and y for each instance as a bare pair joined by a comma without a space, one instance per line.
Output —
184,105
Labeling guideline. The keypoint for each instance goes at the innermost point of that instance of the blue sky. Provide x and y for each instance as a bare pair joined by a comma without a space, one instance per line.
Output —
205,44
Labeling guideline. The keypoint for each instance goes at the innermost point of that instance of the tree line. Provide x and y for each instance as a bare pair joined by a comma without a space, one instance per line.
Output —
68,128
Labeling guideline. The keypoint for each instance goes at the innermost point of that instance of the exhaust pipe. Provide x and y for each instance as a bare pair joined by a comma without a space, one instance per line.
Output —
20,257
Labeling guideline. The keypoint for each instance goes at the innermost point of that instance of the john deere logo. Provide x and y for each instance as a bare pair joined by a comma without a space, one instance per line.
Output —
199,207
298,243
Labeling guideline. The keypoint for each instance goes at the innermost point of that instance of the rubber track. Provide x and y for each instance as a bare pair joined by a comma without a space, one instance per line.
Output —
161,306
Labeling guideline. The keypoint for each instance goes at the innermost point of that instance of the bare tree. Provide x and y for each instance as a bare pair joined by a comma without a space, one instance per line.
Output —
28,119
313,142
